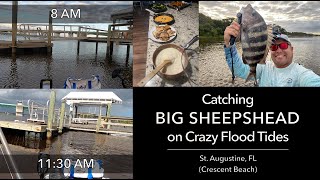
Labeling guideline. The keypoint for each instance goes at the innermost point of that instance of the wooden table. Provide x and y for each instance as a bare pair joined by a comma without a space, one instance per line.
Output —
187,26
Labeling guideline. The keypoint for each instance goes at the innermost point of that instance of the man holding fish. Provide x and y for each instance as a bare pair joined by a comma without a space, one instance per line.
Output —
256,40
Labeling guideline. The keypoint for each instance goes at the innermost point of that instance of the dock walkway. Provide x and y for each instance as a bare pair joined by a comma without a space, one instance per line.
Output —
26,126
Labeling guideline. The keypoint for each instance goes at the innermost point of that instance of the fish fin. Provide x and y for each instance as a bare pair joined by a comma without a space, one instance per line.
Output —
239,36
244,60
269,43
252,75
266,52
271,36
238,39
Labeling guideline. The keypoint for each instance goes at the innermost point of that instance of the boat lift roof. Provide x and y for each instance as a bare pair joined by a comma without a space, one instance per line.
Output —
92,98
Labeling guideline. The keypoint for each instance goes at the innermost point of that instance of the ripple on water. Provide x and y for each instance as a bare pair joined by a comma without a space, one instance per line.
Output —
26,71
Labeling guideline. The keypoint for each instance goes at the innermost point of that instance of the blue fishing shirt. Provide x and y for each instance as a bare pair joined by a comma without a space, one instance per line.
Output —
268,75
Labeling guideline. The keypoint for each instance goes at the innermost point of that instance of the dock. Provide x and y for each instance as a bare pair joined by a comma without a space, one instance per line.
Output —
25,126
58,121
42,128
39,37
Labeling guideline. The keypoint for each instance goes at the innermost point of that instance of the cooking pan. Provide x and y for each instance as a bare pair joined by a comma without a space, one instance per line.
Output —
155,15
173,70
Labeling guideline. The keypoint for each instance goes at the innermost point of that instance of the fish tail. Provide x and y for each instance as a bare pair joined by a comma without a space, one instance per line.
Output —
251,75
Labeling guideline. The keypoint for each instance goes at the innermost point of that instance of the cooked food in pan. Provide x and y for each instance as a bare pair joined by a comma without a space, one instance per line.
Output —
163,19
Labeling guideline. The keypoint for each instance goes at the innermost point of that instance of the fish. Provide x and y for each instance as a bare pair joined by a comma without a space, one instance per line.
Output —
255,37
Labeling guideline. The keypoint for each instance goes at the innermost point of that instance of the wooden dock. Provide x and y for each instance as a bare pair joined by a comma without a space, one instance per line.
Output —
41,128
26,126
25,44
100,131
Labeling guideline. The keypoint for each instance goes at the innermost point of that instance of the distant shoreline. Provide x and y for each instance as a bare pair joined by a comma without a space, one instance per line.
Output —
205,40
297,36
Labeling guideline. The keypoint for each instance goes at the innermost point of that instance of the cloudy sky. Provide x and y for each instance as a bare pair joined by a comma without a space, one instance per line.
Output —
294,16
38,11
11,96
69,2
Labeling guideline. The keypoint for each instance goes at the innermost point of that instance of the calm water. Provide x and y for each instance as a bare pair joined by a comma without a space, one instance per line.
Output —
114,151
26,71
305,52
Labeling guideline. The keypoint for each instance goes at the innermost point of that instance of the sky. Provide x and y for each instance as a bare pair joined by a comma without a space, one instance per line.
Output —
294,16
11,96
69,2
30,12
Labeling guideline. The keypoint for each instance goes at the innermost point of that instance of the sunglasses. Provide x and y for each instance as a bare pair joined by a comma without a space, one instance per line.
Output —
283,46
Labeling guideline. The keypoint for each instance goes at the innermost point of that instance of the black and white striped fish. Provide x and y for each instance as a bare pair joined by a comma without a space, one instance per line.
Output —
256,38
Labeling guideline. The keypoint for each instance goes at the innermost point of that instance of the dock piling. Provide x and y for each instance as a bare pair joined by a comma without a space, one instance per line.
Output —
97,35
78,47
50,113
108,115
99,120
61,122
49,48
14,26
128,52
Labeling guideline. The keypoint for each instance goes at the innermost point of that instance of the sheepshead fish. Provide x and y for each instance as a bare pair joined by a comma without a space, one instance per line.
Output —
256,38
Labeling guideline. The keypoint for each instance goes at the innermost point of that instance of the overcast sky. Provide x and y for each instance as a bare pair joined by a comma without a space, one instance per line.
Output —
11,96
294,16
38,11
68,2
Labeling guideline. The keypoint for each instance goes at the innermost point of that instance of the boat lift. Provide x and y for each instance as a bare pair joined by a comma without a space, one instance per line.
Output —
35,111
39,112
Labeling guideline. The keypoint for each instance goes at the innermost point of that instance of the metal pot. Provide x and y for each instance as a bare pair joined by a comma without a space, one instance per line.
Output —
184,60
160,68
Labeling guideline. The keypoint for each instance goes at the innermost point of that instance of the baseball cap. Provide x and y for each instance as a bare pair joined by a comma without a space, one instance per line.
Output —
283,37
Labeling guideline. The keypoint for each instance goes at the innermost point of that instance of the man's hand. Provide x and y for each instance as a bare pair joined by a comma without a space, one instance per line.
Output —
232,30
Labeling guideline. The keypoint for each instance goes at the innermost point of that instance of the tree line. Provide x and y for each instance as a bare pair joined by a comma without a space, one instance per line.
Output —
212,30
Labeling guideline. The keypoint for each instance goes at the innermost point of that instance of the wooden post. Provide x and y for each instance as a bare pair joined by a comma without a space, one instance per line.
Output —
49,48
97,36
71,114
109,40
78,47
111,47
99,120
128,52
61,122
50,113
14,26
108,114
19,109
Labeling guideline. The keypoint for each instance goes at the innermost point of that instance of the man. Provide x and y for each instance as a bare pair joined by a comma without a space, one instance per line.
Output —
281,72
